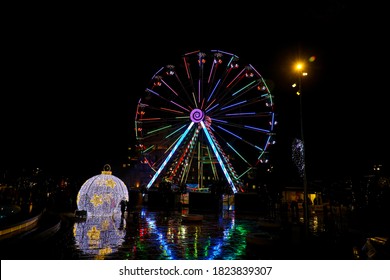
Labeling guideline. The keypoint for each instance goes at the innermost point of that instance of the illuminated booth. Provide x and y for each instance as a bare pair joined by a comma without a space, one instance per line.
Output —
101,195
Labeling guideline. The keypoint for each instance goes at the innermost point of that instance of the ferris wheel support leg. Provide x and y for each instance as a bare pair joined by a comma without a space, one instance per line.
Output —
158,172
218,158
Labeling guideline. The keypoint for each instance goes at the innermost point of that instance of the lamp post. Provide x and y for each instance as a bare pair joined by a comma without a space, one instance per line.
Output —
301,73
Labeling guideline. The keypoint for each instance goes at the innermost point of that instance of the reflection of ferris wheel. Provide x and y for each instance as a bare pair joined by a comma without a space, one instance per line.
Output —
207,120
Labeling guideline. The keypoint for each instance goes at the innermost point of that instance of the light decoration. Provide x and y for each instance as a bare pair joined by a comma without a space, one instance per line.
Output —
101,195
297,155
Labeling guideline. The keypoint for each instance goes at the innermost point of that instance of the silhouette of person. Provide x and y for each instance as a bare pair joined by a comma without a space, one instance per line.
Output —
123,207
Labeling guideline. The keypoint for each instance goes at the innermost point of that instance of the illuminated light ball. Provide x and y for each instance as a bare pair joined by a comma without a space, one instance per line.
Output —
101,195
312,58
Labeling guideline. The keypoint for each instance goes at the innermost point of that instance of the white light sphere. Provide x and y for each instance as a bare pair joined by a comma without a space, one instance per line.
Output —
101,195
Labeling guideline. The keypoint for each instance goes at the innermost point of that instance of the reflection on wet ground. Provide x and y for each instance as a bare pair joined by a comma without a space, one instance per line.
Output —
163,236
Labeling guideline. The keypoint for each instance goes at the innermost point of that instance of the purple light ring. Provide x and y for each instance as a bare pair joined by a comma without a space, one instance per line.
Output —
197,115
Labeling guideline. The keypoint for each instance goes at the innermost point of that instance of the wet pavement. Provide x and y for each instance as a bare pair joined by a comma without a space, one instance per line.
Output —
165,235
160,235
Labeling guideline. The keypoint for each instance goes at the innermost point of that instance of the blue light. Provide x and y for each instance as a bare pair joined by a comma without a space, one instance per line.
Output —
218,157
169,156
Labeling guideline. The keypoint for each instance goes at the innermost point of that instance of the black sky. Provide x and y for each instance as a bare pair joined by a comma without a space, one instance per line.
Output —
72,78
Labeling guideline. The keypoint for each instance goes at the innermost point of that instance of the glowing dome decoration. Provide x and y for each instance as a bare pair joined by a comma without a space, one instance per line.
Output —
101,195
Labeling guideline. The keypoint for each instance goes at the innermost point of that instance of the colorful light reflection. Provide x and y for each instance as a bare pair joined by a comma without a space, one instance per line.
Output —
167,237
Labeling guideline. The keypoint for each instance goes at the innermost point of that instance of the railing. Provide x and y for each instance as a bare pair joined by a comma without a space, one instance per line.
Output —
20,227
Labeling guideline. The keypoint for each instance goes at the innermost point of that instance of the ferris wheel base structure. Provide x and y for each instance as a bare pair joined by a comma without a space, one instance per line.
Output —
234,189
207,120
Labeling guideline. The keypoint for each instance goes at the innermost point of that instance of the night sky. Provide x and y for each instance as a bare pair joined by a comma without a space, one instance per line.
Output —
71,80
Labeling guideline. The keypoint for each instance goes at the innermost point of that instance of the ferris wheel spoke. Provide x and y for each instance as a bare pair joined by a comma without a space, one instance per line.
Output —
225,159
166,142
237,102
168,100
176,86
250,148
239,126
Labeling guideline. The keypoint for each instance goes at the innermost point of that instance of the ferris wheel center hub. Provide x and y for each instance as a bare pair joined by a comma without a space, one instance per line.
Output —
197,115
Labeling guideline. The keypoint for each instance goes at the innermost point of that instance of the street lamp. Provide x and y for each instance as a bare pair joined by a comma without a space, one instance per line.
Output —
300,67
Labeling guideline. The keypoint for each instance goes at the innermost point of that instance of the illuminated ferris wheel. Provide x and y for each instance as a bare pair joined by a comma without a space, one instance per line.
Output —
205,120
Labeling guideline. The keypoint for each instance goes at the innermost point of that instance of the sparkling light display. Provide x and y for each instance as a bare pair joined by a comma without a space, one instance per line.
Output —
297,155
101,195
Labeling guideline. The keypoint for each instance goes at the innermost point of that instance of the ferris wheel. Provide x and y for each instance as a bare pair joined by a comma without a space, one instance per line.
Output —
205,120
